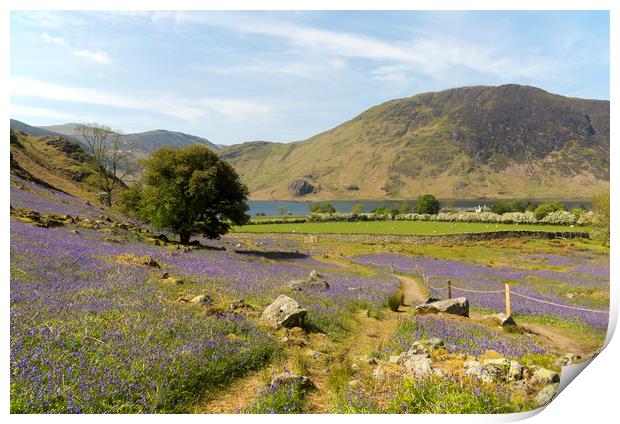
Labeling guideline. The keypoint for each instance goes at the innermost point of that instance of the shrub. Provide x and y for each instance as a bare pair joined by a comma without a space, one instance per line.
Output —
357,208
404,208
322,208
427,203
381,210
394,301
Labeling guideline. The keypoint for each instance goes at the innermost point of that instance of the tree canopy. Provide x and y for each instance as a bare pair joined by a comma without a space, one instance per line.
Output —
188,191
427,203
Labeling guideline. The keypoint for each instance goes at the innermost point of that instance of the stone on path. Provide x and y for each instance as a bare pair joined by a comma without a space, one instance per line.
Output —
284,312
456,306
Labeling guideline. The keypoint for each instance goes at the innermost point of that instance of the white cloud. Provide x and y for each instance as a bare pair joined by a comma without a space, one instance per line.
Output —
46,38
432,54
93,56
185,109
98,56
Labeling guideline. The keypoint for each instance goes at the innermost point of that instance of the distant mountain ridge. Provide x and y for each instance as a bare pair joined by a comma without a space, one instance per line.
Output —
508,141
143,143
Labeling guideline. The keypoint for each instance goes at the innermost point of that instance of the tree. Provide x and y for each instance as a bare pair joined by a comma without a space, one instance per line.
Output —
357,208
602,211
546,208
188,191
282,210
427,203
404,208
322,208
381,210
112,163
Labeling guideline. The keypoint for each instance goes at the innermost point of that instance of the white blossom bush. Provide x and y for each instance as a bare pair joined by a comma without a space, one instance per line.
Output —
559,218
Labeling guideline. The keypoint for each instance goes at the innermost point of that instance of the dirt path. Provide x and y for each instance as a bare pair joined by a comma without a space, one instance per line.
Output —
412,292
561,340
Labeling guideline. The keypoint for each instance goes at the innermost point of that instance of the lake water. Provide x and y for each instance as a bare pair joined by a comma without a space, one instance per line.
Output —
270,208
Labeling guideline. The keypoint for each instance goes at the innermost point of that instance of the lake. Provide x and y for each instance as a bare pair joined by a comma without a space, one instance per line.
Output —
270,207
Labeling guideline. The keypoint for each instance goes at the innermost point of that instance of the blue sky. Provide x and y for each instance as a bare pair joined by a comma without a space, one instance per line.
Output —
284,76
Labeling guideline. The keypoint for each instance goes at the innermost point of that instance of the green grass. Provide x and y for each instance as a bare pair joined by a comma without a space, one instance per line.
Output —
396,227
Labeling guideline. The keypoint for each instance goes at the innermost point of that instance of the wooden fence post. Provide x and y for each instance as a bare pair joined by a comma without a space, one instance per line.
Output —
392,267
507,290
449,289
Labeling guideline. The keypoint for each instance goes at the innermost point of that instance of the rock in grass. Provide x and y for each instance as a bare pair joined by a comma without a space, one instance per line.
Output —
487,374
456,306
426,345
284,312
546,394
502,319
203,299
289,378
540,376
418,364
313,281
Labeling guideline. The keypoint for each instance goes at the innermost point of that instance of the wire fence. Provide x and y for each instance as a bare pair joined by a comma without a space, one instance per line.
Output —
423,278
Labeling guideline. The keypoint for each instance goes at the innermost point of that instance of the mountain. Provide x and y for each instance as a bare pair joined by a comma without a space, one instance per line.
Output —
144,142
472,142
33,131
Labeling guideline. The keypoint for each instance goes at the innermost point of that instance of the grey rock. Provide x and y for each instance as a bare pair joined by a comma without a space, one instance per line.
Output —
485,373
540,376
314,280
288,377
203,299
418,364
546,394
426,345
502,319
515,372
301,187
284,312
456,306
395,359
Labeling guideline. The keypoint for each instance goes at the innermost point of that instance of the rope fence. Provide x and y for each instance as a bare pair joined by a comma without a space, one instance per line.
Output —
423,278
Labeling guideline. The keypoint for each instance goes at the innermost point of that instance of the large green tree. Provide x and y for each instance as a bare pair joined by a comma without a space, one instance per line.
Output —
188,191
427,203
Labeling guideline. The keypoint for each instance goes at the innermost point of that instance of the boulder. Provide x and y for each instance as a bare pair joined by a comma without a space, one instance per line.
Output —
314,280
485,373
515,372
456,306
502,319
289,378
284,312
203,299
418,364
301,187
546,394
536,375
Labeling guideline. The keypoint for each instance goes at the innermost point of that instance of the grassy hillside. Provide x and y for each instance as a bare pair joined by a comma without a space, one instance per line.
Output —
53,162
500,142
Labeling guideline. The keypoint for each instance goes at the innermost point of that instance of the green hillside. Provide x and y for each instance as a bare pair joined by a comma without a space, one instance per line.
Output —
53,161
499,142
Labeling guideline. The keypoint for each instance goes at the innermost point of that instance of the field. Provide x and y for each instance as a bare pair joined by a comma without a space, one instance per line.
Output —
396,227
102,318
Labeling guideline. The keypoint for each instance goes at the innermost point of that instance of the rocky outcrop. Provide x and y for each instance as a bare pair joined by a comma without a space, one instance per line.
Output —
456,306
289,378
284,312
301,187
313,281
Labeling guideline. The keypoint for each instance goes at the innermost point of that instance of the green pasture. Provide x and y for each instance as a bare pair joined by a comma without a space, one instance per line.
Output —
396,227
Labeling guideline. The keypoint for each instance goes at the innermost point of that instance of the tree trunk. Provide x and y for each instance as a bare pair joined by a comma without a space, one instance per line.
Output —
184,237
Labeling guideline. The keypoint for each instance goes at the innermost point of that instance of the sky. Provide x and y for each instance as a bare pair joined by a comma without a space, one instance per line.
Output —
233,77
